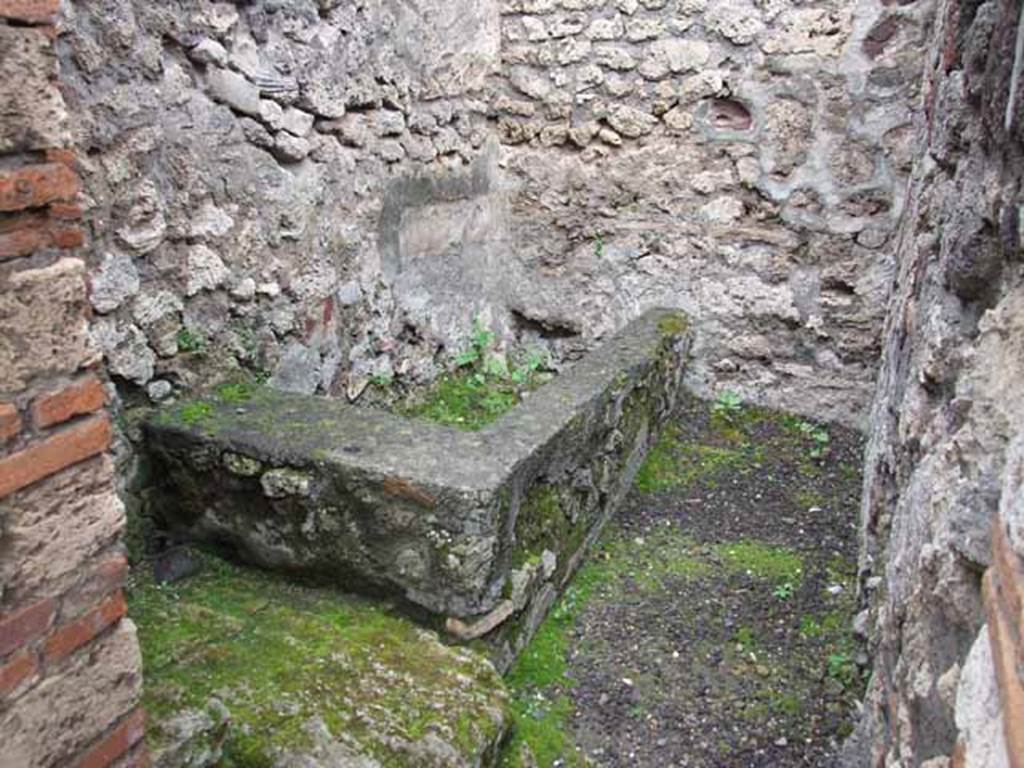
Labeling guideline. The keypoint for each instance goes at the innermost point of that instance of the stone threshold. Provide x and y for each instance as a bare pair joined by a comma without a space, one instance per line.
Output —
481,530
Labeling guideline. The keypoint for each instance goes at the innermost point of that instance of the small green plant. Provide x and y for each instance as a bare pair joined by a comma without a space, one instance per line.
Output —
810,627
784,591
818,436
746,639
480,343
727,406
191,342
842,669
382,380
535,361
484,385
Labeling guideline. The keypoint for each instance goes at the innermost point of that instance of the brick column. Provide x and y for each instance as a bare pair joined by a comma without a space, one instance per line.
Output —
1004,606
70,670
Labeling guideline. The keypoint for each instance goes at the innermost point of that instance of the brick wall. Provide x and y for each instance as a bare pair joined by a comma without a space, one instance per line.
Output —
70,670
1004,608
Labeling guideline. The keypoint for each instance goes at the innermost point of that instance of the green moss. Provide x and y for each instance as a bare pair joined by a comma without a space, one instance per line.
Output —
806,499
195,413
541,524
789,705
674,324
673,463
763,561
278,655
540,704
238,392
746,639
811,627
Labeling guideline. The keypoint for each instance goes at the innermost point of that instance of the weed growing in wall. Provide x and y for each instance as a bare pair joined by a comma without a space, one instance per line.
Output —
485,384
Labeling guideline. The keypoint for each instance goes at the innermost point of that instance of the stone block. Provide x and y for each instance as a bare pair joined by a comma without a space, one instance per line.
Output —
439,517
16,672
10,422
26,233
32,113
21,627
235,91
68,638
53,531
117,743
43,310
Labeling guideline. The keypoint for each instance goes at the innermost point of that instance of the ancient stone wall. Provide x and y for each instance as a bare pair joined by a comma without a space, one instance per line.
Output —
943,508
255,175
69,661
742,160
331,191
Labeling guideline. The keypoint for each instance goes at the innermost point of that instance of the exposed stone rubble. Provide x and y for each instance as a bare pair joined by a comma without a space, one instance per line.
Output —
335,190
943,503
483,529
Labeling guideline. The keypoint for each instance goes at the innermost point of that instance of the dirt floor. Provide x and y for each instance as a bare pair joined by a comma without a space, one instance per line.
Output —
711,628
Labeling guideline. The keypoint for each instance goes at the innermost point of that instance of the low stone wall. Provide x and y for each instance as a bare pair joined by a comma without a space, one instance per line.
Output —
480,528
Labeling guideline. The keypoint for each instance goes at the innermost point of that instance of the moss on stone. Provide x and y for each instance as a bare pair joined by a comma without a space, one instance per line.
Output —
288,661
195,413
674,324
464,401
540,704
541,524
237,392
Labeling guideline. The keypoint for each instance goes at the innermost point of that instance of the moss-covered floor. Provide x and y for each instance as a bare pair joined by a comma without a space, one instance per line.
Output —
711,627
244,670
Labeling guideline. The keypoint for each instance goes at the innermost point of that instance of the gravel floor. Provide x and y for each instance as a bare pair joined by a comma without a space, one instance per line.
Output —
715,626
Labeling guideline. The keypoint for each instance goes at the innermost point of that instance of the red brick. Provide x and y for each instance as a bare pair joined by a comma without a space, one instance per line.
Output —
17,671
10,422
27,233
109,576
1010,574
61,155
40,460
36,185
66,211
73,635
115,744
32,11
20,628
85,396
137,758
1004,656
